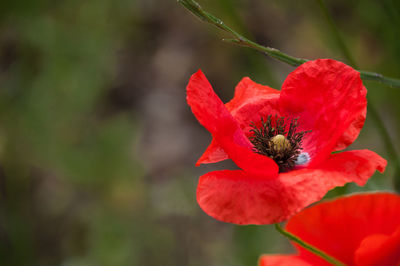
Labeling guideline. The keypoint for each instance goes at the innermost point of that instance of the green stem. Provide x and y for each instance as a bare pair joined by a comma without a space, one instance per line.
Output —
366,75
307,246
272,52
198,11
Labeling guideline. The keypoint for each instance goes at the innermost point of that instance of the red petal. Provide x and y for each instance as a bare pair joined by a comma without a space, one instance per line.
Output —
248,91
330,100
379,249
251,102
237,197
240,198
307,186
338,227
288,260
351,166
213,115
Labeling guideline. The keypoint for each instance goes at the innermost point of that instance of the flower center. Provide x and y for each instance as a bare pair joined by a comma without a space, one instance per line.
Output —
284,147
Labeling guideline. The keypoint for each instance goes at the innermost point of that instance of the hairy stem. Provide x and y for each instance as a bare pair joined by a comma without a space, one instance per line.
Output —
198,11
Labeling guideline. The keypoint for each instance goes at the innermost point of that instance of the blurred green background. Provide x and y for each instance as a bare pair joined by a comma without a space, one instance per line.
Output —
97,143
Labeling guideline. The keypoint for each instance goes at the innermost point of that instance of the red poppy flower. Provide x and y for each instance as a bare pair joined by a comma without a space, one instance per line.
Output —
282,141
361,229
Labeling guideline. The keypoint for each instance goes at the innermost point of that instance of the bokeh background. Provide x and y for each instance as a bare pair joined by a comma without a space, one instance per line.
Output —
97,143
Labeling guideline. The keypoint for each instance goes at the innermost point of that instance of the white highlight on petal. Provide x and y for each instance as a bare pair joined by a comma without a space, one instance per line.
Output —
303,158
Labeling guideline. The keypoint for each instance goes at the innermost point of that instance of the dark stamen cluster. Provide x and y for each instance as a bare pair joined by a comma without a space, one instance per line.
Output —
264,141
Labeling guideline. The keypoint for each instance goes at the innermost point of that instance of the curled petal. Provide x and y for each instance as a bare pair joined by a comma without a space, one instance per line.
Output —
213,154
213,115
242,198
352,132
330,100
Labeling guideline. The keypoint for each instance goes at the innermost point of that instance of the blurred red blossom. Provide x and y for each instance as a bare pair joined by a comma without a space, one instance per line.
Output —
361,229
282,141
